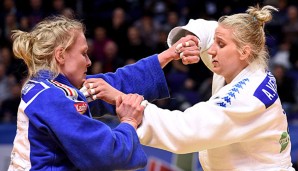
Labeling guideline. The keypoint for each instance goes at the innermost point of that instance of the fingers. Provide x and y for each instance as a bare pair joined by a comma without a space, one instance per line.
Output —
188,49
84,91
92,93
144,103
190,56
93,87
181,55
118,101
97,88
133,99
193,39
130,109
181,46
187,41
93,82
190,60
90,89
188,52
89,85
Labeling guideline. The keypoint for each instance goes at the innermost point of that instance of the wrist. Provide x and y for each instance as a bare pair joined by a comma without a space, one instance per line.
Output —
118,94
133,122
165,57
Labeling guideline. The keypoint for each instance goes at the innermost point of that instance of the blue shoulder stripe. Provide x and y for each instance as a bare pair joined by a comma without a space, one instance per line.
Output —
267,91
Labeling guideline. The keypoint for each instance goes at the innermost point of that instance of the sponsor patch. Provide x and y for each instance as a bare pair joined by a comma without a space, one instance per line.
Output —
284,141
81,107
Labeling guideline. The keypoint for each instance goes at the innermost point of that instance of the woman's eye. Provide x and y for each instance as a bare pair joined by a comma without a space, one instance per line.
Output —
220,44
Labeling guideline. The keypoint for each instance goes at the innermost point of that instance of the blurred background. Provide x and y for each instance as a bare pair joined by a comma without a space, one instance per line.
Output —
119,32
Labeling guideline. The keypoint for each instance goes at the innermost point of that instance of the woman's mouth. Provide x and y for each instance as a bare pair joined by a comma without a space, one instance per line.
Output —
214,62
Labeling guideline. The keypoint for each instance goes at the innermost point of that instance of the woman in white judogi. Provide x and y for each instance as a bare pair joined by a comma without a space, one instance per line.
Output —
242,126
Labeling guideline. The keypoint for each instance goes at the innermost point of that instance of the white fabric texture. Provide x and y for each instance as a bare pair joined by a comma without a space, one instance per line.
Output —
201,28
241,127
234,130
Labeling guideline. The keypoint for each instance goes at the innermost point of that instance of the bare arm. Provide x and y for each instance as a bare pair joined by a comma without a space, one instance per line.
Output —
189,49
97,88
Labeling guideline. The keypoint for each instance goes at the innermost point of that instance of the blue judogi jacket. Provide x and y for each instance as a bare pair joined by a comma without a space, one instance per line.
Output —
55,129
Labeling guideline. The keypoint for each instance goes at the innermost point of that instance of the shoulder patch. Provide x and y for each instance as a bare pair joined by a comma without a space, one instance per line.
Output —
31,89
68,91
267,91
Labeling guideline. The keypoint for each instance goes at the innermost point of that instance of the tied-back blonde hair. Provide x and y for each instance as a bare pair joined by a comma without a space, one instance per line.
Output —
248,29
37,47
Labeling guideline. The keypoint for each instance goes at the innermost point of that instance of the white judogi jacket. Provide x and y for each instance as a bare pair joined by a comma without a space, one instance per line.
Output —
241,127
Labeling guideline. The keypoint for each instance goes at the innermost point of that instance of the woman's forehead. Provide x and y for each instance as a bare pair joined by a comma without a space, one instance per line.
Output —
223,32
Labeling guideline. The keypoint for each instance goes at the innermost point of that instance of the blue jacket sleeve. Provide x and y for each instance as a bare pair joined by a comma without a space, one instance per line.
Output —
88,143
145,77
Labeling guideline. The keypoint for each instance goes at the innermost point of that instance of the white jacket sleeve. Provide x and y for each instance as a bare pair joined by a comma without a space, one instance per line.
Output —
201,28
203,126
204,30
225,119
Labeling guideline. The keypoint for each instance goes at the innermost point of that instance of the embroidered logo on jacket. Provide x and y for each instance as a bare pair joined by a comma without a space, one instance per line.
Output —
81,107
69,92
72,94
284,141
232,93
30,90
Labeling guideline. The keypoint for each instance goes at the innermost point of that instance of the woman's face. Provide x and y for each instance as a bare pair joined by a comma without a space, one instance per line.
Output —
226,58
76,61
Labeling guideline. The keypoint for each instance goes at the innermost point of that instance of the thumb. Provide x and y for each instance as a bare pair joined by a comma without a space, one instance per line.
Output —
118,101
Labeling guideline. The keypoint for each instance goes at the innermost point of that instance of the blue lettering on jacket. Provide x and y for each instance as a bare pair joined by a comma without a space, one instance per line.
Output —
267,91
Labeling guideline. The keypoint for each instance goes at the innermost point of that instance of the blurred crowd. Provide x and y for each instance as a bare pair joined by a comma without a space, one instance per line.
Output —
120,32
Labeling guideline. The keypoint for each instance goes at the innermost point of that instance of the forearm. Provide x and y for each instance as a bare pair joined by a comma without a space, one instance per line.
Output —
165,57
144,77
185,48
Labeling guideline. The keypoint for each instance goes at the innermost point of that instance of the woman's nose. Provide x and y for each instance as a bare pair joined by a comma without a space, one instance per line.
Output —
211,51
89,62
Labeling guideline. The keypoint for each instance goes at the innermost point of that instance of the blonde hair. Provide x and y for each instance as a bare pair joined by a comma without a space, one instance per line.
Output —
37,47
248,29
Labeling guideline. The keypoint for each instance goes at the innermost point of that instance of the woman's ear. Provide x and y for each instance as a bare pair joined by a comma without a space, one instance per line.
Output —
245,53
58,54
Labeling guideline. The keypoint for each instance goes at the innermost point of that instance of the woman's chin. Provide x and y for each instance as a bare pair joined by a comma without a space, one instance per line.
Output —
215,70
